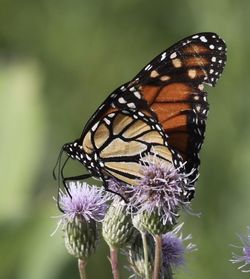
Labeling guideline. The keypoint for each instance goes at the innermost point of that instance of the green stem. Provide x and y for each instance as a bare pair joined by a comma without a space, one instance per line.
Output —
81,267
114,262
145,251
158,251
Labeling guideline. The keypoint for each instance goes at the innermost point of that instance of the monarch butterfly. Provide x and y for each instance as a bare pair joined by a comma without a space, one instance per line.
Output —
161,112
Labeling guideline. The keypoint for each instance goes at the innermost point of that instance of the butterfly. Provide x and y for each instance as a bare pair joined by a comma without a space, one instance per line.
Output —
161,112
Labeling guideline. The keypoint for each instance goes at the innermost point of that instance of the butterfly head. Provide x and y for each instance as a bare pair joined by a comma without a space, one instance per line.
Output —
73,150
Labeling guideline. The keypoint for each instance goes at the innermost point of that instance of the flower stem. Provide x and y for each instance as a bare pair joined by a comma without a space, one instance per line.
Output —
145,251
158,251
81,267
114,262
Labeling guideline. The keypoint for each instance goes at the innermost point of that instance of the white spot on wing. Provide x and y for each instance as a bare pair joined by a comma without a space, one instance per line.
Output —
158,127
173,55
137,94
213,59
88,157
103,104
203,39
121,100
95,126
107,121
198,107
163,56
131,105
201,86
148,67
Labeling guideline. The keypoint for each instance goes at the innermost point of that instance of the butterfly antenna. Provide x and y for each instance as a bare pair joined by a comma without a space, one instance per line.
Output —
60,175
63,178
57,163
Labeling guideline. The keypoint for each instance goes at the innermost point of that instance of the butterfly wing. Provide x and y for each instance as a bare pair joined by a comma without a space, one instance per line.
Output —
171,85
168,90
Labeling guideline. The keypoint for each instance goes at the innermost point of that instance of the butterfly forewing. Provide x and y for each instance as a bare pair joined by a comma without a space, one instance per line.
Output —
196,59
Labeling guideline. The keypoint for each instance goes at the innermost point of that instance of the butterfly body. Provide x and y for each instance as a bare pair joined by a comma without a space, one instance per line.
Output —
162,112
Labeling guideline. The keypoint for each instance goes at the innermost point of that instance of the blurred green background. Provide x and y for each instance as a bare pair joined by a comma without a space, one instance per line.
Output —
58,61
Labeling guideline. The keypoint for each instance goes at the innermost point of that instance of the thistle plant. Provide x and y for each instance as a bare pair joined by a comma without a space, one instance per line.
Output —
117,231
83,209
244,257
173,253
140,217
158,199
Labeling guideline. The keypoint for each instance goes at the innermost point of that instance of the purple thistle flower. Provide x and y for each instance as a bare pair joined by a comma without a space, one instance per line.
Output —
161,189
173,248
245,256
86,201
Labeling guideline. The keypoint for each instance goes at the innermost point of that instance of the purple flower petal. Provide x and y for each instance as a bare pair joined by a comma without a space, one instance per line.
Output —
161,189
87,201
174,249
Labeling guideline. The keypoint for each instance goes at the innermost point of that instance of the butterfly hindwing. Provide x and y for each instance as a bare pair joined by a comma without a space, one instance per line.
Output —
121,140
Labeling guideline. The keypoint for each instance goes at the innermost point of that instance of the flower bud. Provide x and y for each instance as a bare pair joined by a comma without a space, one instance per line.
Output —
151,222
81,237
117,228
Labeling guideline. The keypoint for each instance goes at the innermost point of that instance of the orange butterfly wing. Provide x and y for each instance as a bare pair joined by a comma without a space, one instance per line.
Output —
174,91
170,88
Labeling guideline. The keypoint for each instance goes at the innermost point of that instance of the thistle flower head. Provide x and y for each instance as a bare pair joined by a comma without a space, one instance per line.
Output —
244,257
174,248
83,207
86,201
161,189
